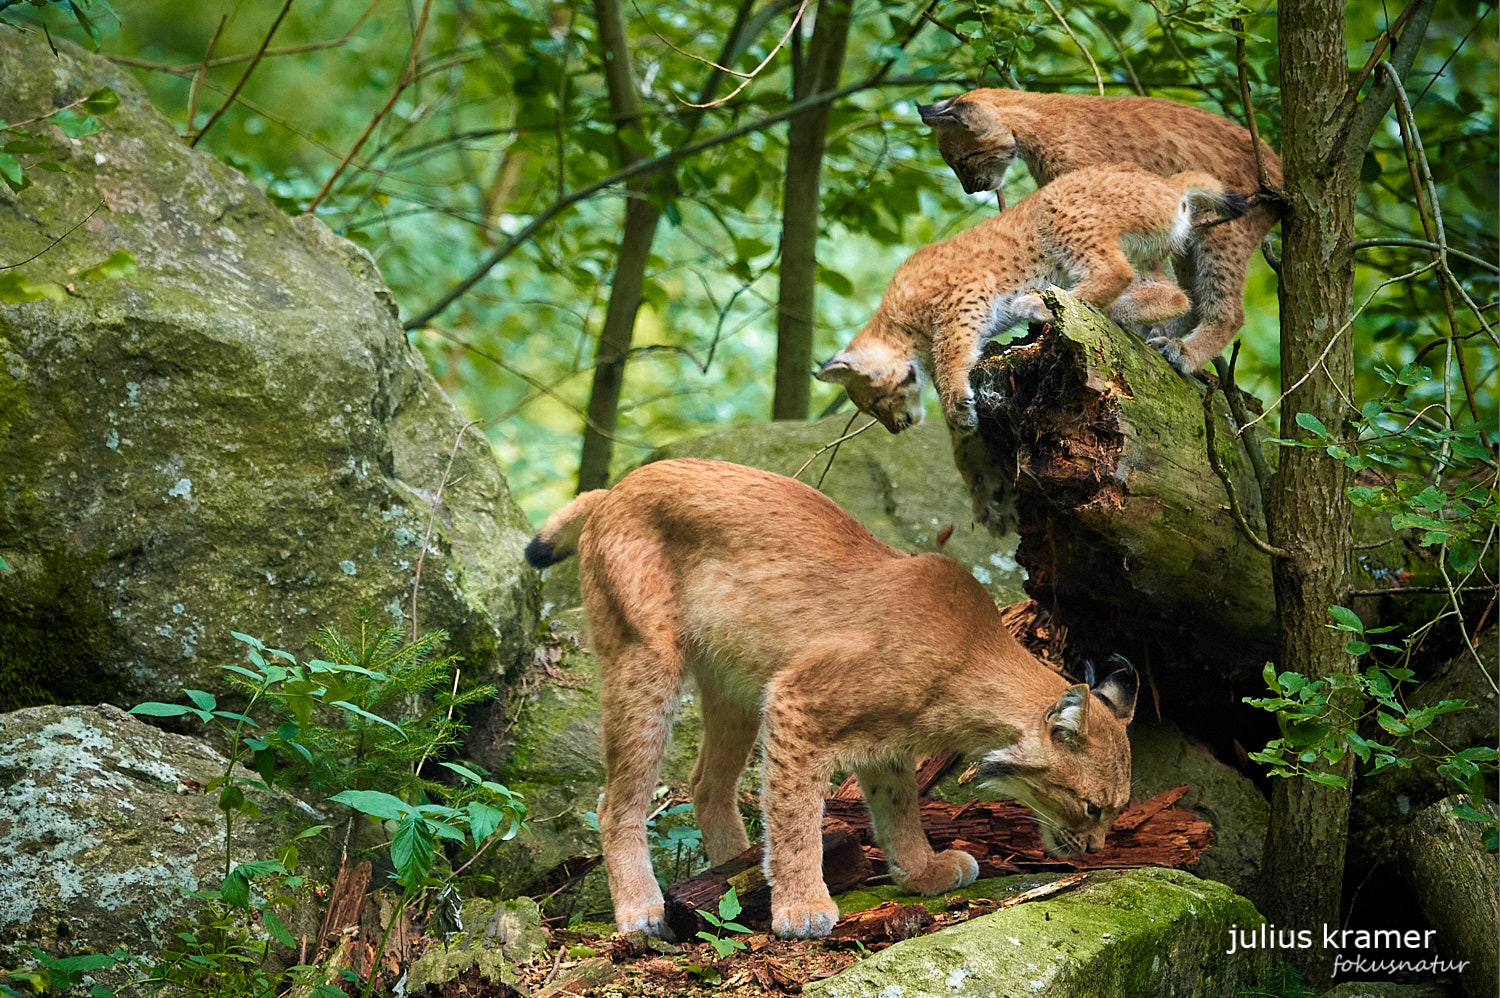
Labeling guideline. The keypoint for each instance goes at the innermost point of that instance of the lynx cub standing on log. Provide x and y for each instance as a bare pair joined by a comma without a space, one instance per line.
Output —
795,621
1092,230
983,131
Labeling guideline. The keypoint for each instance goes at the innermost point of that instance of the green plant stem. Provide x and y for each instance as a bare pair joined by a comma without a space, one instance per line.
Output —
384,937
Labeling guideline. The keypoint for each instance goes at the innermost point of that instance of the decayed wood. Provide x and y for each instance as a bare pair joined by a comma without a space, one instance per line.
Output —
346,902
885,923
844,866
1126,535
1004,838
1001,835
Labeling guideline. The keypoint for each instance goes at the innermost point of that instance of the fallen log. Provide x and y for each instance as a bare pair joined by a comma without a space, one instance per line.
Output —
1001,835
1126,531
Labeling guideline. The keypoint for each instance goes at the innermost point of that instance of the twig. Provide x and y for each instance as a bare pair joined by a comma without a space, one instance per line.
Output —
1335,338
431,517
834,443
197,86
1209,419
1263,180
1418,590
1110,36
1477,261
400,88
696,58
556,965
835,453
796,20
244,77
1086,54
13,266
1236,400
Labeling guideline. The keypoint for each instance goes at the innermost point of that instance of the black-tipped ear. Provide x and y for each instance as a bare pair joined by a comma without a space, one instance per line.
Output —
1119,688
941,112
1088,673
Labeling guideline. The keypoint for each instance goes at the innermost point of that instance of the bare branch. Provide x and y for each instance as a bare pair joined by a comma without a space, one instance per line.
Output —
1365,118
1210,418
796,20
1081,47
244,77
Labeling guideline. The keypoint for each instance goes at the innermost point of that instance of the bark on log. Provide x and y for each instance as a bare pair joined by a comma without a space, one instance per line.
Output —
1001,835
844,865
1126,533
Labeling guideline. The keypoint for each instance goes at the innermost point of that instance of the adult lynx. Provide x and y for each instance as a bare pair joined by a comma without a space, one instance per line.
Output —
982,132
796,622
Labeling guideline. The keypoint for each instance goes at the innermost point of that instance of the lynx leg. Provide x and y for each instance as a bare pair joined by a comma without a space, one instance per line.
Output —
797,769
640,692
991,490
890,791
1150,300
1214,273
729,732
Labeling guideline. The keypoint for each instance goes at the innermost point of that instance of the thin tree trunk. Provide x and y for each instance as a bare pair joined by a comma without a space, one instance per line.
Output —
642,212
807,133
1307,513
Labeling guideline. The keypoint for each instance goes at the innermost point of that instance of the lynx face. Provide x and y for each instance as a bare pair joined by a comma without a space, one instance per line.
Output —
1075,772
889,390
975,144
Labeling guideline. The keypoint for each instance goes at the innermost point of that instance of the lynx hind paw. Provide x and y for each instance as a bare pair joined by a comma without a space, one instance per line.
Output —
1030,306
995,509
651,919
804,920
962,414
1172,349
947,871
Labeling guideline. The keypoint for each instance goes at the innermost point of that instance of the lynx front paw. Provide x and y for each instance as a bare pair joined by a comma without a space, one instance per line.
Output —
1031,307
949,870
961,413
1171,348
804,919
652,919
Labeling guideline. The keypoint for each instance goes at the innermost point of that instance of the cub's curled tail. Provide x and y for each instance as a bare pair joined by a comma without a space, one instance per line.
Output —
1209,191
558,539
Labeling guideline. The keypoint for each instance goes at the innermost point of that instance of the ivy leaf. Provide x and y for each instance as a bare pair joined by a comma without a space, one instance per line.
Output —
1347,619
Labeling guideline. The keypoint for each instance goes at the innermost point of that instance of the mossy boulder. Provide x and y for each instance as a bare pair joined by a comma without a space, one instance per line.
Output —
105,827
1455,879
236,436
496,935
1133,934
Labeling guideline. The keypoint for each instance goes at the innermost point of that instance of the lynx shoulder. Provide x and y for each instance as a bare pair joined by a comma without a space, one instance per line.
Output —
803,630
982,132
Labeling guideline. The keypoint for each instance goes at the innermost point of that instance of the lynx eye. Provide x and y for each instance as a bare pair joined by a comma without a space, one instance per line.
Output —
1091,810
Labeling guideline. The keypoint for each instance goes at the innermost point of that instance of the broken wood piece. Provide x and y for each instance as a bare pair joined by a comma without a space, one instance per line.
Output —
1137,814
885,923
844,866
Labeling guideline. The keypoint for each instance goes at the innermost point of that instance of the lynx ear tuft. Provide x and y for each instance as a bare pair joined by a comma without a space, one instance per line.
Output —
839,370
1067,720
1119,689
943,112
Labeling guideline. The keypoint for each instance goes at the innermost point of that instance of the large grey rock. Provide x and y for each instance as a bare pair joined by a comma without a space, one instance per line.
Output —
104,825
236,436
1455,879
1386,802
1161,757
1128,935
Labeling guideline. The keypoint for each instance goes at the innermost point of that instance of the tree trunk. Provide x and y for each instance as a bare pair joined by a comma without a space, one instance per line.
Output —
807,133
642,212
1309,516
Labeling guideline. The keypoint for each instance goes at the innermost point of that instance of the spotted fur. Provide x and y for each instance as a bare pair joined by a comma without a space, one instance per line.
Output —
801,629
983,131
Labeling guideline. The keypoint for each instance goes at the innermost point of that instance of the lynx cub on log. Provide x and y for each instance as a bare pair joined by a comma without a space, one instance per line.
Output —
1092,230
800,627
983,131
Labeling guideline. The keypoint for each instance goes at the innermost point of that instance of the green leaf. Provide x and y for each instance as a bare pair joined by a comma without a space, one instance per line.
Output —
161,709
1463,555
101,101
1328,780
1347,619
16,287
277,930
120,264
75,125
236,889
729,905
369,716
230,798
12,174
411,850
204,700
484,819
1312,424
375,803
463,771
